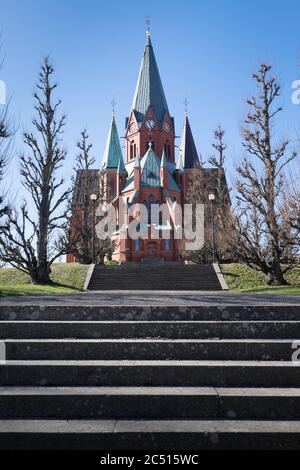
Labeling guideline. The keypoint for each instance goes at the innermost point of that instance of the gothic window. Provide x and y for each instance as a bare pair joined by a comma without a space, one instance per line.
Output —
167,148
167,246
132,150
152,145
151,202
137,245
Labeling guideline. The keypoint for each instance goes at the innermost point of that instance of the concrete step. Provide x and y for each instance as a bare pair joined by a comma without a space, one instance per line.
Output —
149,435
148,349
150,313
151,373
148,329
148,403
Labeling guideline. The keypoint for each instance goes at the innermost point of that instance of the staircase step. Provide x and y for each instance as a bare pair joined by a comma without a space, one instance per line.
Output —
148,435
148,403
150,313
148,349
151,373
150,329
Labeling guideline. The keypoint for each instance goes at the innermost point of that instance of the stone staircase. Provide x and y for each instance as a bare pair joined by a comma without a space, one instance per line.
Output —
160,277
169,378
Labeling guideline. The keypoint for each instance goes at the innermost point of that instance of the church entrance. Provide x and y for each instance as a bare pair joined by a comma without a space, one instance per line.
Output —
152,250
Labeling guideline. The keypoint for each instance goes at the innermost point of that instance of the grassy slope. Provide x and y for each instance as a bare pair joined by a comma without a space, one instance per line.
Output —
241,278
70,278
67,277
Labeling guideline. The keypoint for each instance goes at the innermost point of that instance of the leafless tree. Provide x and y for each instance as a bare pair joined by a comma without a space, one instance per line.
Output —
84,244
220,147
31,239
291,211
203,183
263,239
6,133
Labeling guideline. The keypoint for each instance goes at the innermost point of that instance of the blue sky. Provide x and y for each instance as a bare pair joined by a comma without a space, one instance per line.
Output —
206,50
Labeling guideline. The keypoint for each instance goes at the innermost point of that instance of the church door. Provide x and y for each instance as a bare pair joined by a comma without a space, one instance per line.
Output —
152,250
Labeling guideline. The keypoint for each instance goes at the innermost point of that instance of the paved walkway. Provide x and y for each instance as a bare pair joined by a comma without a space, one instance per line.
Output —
155,298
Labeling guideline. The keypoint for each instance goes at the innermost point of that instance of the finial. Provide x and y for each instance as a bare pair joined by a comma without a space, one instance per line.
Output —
113,104
186,105
148,23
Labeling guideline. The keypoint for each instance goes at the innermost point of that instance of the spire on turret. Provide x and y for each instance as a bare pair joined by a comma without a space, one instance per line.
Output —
188,156
112,156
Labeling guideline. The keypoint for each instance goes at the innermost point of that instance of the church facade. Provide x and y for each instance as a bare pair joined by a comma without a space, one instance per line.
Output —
152,173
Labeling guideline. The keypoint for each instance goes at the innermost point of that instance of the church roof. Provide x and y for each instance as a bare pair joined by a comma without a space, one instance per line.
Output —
149,90
188,156
112,157
150,174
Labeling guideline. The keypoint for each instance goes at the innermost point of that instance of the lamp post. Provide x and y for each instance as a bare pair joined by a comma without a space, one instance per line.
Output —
93,199
212,199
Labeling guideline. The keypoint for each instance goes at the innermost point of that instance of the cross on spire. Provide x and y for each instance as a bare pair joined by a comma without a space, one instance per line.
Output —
113,104
148,23
186,106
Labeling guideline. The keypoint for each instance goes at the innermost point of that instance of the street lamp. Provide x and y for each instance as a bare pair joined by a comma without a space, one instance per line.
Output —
212,199
93,199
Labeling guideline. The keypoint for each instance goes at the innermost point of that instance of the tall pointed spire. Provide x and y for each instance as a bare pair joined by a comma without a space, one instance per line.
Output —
112,157
149,90
188,156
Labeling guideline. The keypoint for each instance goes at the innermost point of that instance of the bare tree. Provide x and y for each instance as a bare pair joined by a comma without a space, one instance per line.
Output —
263,240
220,147
6,133
206,181
31,239
291,211
84,244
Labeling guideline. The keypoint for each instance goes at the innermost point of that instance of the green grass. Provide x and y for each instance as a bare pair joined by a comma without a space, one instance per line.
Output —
68,278
241,278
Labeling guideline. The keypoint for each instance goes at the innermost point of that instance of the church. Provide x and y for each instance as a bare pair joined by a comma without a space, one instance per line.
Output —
152,172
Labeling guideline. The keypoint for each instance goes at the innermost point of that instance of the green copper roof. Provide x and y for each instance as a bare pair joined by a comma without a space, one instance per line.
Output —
150,174
112,157
150,165
149,90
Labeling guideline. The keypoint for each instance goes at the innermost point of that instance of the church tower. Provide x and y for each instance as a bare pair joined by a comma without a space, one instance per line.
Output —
149,120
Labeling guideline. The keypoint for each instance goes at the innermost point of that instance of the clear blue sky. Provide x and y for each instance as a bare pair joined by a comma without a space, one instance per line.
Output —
206,50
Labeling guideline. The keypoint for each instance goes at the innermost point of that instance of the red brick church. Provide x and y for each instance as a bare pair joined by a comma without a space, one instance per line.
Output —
152,173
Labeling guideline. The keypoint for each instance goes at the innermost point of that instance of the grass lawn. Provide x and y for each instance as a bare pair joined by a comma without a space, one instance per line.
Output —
68,278
243,279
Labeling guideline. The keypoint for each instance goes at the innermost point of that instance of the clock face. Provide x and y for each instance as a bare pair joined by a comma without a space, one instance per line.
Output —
167,127
150,124
132,127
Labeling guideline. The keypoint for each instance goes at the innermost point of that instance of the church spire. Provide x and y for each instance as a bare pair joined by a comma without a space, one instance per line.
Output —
188,156
112,157
149,90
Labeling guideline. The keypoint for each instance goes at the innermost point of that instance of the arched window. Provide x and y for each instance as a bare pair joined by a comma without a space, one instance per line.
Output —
132,150
148,146
167,148
151,202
